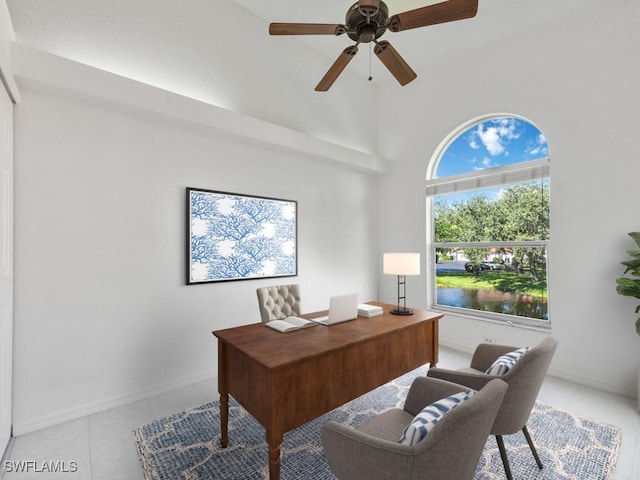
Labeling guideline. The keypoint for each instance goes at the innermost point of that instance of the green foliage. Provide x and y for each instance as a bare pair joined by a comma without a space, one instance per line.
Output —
626,284
499,280
520,213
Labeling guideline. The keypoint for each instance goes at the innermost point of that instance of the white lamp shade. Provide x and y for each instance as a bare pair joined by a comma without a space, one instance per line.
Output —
401,263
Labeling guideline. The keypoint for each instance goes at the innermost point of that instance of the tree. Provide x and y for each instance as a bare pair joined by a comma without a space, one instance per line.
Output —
524,212
520,213
475,218
446,227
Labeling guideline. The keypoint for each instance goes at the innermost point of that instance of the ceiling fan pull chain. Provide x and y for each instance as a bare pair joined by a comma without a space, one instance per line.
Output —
370,76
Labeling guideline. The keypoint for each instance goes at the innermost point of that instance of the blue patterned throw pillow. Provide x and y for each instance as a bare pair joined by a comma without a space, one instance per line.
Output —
504,363
424,421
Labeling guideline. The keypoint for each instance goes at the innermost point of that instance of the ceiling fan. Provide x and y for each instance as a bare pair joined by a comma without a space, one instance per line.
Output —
368,20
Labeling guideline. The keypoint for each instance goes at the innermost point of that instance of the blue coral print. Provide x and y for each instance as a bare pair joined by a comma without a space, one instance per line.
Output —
237,237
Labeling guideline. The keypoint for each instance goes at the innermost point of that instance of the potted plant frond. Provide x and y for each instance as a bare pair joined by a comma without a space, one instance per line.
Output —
629,282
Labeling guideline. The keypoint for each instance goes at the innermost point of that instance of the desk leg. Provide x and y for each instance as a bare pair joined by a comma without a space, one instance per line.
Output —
223,388
224,420
274,441
435,336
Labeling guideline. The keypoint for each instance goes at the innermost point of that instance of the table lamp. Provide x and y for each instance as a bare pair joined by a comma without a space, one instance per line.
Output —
401,264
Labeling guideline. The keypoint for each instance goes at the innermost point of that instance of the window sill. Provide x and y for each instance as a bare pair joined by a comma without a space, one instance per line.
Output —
496,319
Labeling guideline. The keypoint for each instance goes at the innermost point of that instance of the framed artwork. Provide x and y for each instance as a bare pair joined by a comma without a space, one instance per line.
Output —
231,236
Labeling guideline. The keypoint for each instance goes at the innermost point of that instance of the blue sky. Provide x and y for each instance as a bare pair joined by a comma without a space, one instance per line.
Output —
494,143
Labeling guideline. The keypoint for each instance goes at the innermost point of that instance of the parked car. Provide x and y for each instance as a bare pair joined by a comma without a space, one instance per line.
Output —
468,266
494,265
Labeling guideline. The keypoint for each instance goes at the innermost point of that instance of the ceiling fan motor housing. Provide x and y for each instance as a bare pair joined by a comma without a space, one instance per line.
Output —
364,30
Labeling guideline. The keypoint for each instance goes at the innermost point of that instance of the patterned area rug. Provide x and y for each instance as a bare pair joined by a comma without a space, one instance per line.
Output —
185,446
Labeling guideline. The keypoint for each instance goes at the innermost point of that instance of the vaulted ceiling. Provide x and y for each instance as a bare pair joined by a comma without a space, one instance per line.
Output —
421,47
59,24
220,52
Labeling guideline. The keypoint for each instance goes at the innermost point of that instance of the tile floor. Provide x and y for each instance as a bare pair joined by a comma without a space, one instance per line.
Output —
103,448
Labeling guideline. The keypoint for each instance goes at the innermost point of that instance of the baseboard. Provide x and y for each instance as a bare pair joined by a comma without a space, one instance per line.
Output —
5,456
62,416
456,346
56,418
590,382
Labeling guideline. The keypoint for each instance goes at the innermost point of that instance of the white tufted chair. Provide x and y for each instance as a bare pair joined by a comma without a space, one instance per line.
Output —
279,302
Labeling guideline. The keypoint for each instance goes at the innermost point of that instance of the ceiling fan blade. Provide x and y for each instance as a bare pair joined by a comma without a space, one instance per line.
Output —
306,29
394,62
448,11
336,69
368,8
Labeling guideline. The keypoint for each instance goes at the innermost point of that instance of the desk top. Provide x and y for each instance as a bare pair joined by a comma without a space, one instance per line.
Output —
274,349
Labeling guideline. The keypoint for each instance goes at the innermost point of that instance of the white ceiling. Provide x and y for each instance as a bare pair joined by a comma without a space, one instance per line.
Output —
68,27
331,11
495,20
326,11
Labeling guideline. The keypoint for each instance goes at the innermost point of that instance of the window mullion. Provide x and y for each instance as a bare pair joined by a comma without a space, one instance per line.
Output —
523,244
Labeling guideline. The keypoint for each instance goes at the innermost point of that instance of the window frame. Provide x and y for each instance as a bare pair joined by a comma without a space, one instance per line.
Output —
513,174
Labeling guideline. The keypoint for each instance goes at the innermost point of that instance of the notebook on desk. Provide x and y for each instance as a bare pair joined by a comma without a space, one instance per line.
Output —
341,309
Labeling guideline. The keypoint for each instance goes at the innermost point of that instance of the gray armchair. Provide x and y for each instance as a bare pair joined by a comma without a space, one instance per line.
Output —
279,302
524,378
449,451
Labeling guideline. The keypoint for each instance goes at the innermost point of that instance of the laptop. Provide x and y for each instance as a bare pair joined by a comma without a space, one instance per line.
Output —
341,309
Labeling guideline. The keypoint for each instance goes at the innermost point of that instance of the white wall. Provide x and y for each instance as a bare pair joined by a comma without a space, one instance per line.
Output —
102,313
213,51
576,80
102,162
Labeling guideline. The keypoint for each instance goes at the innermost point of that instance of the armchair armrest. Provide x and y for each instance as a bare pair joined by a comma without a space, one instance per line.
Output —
487,353
358,456
472,380
424,391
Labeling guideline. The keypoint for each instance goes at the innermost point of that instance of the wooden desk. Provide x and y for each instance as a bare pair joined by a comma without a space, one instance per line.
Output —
287,379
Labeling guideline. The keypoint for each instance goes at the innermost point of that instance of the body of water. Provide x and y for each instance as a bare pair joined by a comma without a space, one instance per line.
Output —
493,301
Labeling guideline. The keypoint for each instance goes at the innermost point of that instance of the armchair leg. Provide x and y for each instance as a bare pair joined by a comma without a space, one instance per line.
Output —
503,455
532,447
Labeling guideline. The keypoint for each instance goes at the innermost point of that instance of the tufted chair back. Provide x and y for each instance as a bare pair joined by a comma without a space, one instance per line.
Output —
279,302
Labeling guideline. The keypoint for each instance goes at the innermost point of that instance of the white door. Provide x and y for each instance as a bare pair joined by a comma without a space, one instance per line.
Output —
6,265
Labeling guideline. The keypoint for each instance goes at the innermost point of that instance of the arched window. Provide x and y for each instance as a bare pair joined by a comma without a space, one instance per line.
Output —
488,192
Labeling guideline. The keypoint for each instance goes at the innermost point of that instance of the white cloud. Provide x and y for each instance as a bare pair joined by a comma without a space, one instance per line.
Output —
488,162
499,194
508,128
483,164
495,136
490,139
540,147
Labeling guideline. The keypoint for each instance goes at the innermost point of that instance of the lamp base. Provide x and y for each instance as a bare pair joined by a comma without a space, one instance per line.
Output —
400,311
